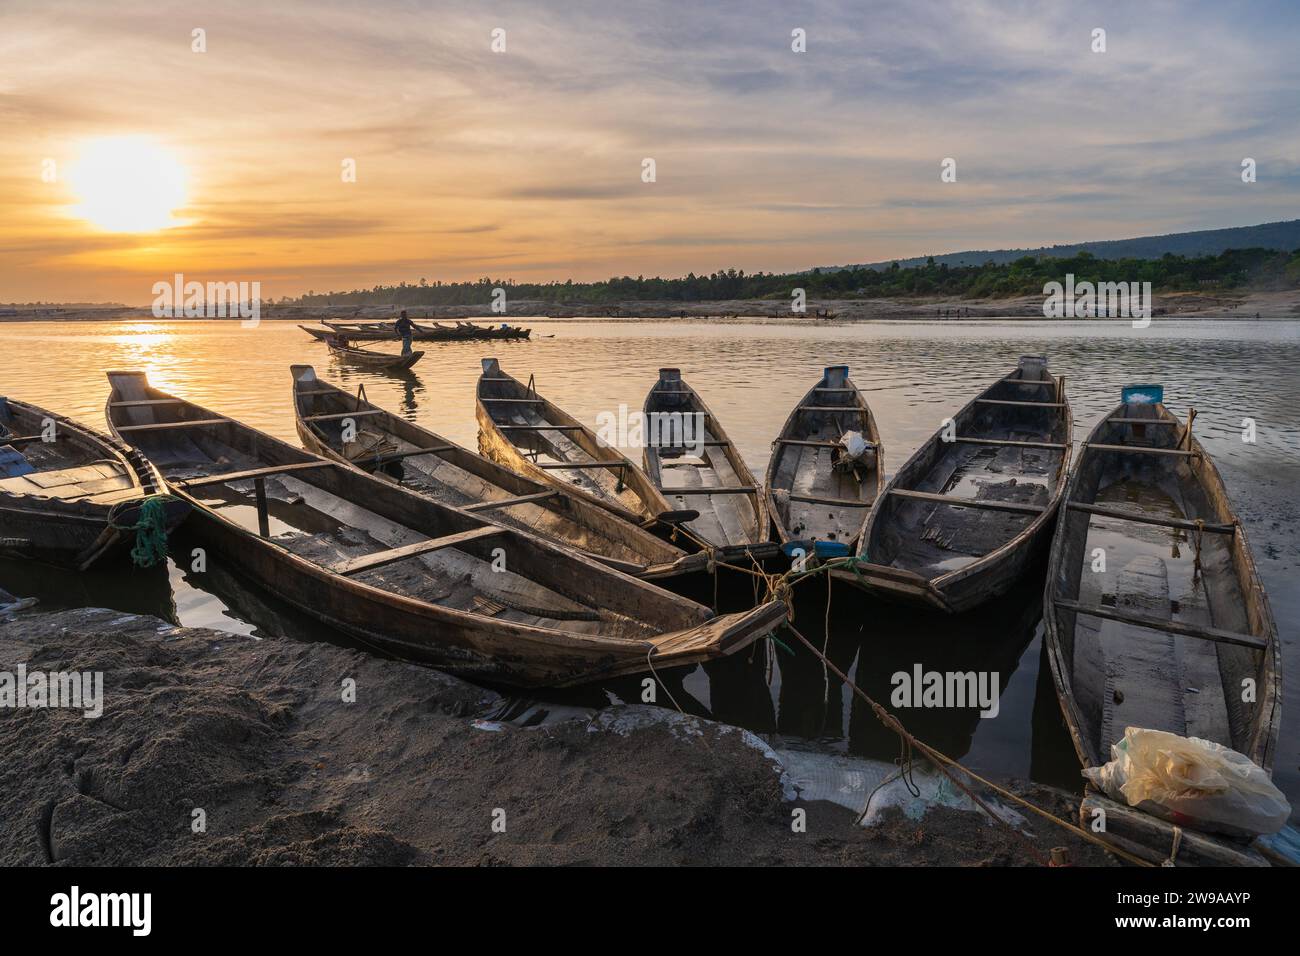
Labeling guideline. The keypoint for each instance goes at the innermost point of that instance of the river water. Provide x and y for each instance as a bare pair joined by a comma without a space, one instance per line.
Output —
751,373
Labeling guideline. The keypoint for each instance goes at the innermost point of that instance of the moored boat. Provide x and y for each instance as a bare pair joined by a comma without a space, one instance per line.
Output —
406,574
368,359
74,497
1155,615
522,430
976,504
693,463
826,468
337,424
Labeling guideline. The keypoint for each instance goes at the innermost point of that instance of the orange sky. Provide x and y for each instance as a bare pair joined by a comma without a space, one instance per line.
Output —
527,164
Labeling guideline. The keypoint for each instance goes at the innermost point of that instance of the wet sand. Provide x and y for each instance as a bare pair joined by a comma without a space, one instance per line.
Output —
257,735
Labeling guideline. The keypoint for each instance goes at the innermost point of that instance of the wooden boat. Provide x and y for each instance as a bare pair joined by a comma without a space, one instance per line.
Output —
690,459
521,430
1166,636
385,444
976,504
817,494
385,331
321,335
406,574
379,360
69,495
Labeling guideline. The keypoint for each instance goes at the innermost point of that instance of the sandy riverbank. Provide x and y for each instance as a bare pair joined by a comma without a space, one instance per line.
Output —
257,735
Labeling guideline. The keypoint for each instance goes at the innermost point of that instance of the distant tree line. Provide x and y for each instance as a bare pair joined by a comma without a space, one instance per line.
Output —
1233,269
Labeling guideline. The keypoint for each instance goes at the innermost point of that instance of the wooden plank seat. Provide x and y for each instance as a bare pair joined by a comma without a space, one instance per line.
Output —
1157,520
188,483
1016,506
1006,442
169,426
511,502
380,558
1181,628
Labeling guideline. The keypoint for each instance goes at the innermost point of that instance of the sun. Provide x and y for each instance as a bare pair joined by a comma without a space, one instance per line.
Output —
128,184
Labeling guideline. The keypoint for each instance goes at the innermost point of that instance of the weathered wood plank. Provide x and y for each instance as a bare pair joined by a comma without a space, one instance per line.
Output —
566,465
168,426
1139,449
1015,506
188,483
381,558
1151,519
821,500
511,502
1006,443
1173,627
335,416
1002,401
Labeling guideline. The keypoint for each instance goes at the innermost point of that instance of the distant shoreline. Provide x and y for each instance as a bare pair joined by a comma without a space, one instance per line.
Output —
1183,305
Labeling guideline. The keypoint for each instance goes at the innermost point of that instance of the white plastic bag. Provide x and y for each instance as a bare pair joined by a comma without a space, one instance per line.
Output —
1191,782
853,450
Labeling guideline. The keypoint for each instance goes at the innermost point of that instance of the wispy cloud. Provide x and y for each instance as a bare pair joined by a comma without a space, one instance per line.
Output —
470,162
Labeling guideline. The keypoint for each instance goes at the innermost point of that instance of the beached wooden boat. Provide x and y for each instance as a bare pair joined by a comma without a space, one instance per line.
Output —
1165,634
378,360
690,459
976,504
69,495
382,443
406,574
818,490
522,430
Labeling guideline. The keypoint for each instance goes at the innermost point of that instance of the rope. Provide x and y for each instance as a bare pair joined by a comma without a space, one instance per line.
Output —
1173,851
1200,535
660,681
781,586
150,531
943,762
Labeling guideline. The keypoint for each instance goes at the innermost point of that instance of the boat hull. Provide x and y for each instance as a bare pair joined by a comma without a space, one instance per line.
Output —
388,598
559,516
1166,632
733,519
1005,456
631,496
88,530
812,504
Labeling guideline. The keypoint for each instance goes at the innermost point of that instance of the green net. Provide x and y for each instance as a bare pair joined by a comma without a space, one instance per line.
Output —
150,531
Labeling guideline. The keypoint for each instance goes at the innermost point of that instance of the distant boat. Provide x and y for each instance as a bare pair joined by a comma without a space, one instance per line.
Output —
386,331
967,513
819,489
75,499
381,360
1169,631
406,574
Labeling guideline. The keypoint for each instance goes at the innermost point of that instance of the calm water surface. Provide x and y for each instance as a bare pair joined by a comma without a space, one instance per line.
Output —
914,374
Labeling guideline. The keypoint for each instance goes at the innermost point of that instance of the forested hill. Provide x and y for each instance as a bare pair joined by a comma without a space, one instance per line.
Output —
1206,242
1235,269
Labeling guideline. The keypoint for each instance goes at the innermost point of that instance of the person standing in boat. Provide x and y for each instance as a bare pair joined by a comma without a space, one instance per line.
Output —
404,328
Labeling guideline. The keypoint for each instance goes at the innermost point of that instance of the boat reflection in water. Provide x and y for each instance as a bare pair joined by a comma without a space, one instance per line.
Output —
116,585
872,641
778,687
